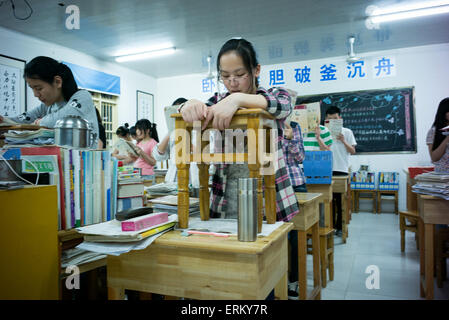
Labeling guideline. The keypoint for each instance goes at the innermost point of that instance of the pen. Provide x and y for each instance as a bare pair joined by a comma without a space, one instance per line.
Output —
224,235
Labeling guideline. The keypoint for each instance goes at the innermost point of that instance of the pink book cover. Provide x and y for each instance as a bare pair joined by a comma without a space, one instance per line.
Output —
146,221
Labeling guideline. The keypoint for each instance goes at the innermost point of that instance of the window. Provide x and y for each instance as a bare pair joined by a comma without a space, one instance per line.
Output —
107,105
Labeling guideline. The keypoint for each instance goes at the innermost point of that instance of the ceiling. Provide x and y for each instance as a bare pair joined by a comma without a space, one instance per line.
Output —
281,31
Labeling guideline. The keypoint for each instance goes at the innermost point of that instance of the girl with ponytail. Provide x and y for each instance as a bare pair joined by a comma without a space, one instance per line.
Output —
121,147
53,84
147,134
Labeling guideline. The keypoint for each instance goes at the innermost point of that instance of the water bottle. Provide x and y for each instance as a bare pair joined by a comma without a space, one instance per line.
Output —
247,210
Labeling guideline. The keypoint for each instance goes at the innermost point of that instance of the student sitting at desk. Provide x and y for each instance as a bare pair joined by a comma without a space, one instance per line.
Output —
54,85
147,134
437,142
238,70
318,140
121,147
342,147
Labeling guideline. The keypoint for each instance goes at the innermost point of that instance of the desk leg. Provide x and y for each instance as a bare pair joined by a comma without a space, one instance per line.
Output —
328,218
421,257
254,168
204,191
302,264
116,293
429,256
281,289
316,259
344,217
396,206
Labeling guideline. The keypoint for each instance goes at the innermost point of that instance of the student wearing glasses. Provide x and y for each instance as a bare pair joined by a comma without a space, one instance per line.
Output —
239,69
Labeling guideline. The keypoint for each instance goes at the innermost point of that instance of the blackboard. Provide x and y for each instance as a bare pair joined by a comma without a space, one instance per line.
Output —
382,120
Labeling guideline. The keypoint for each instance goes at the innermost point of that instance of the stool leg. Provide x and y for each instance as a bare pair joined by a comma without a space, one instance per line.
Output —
182,152
402,229
378,203
324,262
396,207
316,258
302,264
204,191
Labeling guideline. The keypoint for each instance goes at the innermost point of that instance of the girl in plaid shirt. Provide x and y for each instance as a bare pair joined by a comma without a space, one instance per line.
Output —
238,70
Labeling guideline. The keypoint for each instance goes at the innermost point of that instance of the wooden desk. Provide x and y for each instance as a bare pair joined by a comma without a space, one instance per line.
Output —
308,221
340,185
204,267
326,191
432,210
255,121
387,192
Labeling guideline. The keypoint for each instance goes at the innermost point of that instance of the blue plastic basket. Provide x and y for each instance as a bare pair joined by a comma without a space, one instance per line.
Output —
391,184
318,167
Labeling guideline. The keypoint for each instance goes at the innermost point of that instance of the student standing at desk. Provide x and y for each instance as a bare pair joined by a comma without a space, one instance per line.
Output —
238,70
165,150
437,142
341,149
54,85
293,148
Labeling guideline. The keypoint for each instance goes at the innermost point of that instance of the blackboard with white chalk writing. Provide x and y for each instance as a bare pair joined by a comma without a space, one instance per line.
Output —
382,120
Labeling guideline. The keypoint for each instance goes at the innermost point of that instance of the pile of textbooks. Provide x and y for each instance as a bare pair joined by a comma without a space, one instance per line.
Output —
170,204
130,188
433,184
35,137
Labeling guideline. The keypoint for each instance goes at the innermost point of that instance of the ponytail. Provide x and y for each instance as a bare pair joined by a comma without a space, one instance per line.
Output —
46,68
145,125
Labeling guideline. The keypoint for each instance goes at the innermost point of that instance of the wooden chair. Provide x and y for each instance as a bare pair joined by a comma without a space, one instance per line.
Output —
441,254
387,192
364,193
413,226
257,122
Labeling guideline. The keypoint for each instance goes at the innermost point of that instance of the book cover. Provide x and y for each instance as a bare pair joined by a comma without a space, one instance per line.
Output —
68,219
72,190
313,115
58,152
77,186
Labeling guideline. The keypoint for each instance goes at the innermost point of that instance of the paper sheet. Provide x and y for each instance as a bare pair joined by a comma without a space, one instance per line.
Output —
228,226
116,249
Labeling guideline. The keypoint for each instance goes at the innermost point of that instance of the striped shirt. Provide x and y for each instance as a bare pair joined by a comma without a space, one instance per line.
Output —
311,143
286,203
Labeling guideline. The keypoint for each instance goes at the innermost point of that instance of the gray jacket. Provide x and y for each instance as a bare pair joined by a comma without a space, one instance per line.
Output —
80,104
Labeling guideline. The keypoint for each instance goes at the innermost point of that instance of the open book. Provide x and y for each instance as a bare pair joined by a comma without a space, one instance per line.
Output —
168,111
334,126
306,115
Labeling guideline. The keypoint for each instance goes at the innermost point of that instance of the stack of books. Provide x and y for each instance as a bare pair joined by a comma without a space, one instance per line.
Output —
130,188
170,204
433,184
162,189
34,137
86,182
111,231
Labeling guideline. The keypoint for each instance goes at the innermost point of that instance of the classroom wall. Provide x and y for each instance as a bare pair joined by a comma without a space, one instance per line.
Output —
426,68
24,47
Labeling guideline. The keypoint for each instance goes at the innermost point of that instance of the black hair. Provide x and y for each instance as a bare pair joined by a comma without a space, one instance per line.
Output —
146,125
245,50
132,131
46,68
98,116
179,101
333,110
122,131
440,122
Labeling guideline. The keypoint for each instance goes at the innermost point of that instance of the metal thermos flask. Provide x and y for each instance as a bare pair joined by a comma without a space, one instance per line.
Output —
247,210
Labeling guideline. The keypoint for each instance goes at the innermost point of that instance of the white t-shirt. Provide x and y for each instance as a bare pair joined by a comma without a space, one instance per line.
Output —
339,153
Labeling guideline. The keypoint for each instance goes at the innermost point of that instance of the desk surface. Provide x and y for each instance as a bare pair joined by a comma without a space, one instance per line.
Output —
221,244
306,197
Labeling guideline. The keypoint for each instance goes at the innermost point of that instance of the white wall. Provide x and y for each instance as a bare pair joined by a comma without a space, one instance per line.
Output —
426,68
23,47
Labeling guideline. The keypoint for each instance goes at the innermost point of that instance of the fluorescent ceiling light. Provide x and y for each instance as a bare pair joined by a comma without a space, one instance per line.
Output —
145,55
407,11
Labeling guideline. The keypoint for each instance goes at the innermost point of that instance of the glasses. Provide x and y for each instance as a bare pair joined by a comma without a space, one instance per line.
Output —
229,79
